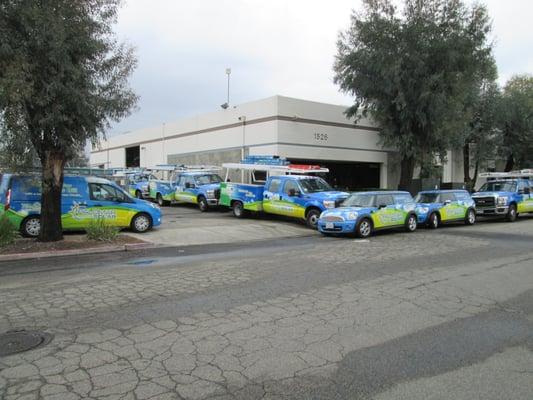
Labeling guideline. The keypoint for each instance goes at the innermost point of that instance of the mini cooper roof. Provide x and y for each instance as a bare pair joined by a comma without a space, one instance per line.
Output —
438,191
391,192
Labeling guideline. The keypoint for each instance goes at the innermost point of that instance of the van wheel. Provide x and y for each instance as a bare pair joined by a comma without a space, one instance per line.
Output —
312,218
411,223
138,194
238,209
202,204
470,217
511,214
31,226
363,228
141,223
433,221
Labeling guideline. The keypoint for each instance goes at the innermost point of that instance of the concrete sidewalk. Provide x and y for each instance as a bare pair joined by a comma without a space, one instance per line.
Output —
183,226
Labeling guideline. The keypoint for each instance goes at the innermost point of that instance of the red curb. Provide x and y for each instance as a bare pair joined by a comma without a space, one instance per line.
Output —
59,253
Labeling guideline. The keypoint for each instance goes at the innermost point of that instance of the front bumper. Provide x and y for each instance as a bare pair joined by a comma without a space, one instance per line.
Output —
488,211
336,227
212,202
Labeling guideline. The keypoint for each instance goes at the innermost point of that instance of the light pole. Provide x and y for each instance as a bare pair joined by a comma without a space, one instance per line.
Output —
228,73
226,104
242,118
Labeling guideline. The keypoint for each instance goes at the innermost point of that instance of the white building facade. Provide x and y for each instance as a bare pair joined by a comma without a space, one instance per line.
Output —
299,130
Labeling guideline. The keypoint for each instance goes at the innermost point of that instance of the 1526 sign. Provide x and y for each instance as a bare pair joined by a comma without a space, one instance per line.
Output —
321,137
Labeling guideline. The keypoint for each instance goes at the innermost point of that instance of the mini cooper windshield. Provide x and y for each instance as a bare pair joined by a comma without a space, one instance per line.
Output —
426,198
359,200
207,179
314,185
499,186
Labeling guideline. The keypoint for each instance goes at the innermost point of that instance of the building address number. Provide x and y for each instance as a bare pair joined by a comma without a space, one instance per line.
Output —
322,137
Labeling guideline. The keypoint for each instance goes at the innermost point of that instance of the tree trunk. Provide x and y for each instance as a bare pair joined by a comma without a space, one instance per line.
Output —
509,165
407,168
474,179
53,163
466,164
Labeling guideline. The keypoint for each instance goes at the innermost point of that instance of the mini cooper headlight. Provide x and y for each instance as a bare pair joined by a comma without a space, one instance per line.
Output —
423,210
329,203
322,214
502,200
352,216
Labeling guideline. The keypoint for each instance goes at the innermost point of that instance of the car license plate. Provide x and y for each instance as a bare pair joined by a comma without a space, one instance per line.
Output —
330,225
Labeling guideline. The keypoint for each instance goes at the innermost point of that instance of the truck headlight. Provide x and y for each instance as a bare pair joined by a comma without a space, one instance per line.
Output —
210,194
352,216
329,203
502,200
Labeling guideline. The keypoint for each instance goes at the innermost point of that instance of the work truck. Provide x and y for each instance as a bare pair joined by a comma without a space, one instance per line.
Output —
289,190
505,194
187,184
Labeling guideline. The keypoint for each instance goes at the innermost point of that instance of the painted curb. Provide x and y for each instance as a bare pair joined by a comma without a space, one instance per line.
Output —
75,252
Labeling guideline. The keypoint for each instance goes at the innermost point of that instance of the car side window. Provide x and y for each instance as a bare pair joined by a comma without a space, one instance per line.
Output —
103,192
274,185
188,181
461,196
290,185
523,186
384,200
444,197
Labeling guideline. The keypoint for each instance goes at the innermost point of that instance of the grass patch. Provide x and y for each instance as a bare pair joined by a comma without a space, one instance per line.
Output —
101,230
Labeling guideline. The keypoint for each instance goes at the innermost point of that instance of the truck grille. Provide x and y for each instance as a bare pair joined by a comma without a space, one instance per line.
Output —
217,193
485,201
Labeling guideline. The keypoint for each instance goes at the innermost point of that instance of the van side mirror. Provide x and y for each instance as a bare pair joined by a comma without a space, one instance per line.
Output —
382,206
446,202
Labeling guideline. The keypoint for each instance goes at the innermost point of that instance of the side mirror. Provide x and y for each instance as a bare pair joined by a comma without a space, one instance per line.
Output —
446,202
382,206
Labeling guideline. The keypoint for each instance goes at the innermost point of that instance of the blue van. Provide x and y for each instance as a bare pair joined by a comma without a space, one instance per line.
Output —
83,199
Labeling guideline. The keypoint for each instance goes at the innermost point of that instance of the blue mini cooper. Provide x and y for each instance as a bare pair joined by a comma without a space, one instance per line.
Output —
436,207
365,212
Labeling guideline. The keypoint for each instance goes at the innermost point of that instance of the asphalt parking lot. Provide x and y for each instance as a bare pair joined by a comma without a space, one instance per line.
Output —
445,314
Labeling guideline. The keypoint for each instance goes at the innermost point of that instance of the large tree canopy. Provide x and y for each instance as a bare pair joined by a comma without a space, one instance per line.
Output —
63,79
517,122
411,70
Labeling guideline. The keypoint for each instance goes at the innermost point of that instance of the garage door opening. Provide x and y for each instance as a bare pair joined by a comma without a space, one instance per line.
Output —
349,175
133,157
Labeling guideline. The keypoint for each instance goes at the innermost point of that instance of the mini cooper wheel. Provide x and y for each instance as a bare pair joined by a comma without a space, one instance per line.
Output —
31,226
363,228
470,217
411,223
238,209
511,214
141,223
433,221
312,218
138,194
202,204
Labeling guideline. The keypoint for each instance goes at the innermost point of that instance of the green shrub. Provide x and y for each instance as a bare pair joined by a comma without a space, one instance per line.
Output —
100,229
8,233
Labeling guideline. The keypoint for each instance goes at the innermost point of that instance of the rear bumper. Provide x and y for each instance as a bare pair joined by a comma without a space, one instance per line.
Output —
338,227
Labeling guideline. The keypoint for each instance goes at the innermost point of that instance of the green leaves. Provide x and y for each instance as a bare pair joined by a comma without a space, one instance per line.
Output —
412,70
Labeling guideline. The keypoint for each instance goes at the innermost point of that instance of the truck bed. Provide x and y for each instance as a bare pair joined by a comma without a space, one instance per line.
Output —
250,195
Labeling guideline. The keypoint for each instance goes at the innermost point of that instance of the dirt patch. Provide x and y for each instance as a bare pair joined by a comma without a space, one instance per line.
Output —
71,242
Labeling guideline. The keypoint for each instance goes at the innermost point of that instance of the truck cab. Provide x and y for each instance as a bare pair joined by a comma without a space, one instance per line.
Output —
201,188
505,195
436,207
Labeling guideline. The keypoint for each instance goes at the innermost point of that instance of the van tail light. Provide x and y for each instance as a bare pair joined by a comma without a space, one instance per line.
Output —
8,200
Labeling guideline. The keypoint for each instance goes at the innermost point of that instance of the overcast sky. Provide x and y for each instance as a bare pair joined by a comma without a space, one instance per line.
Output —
273,47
